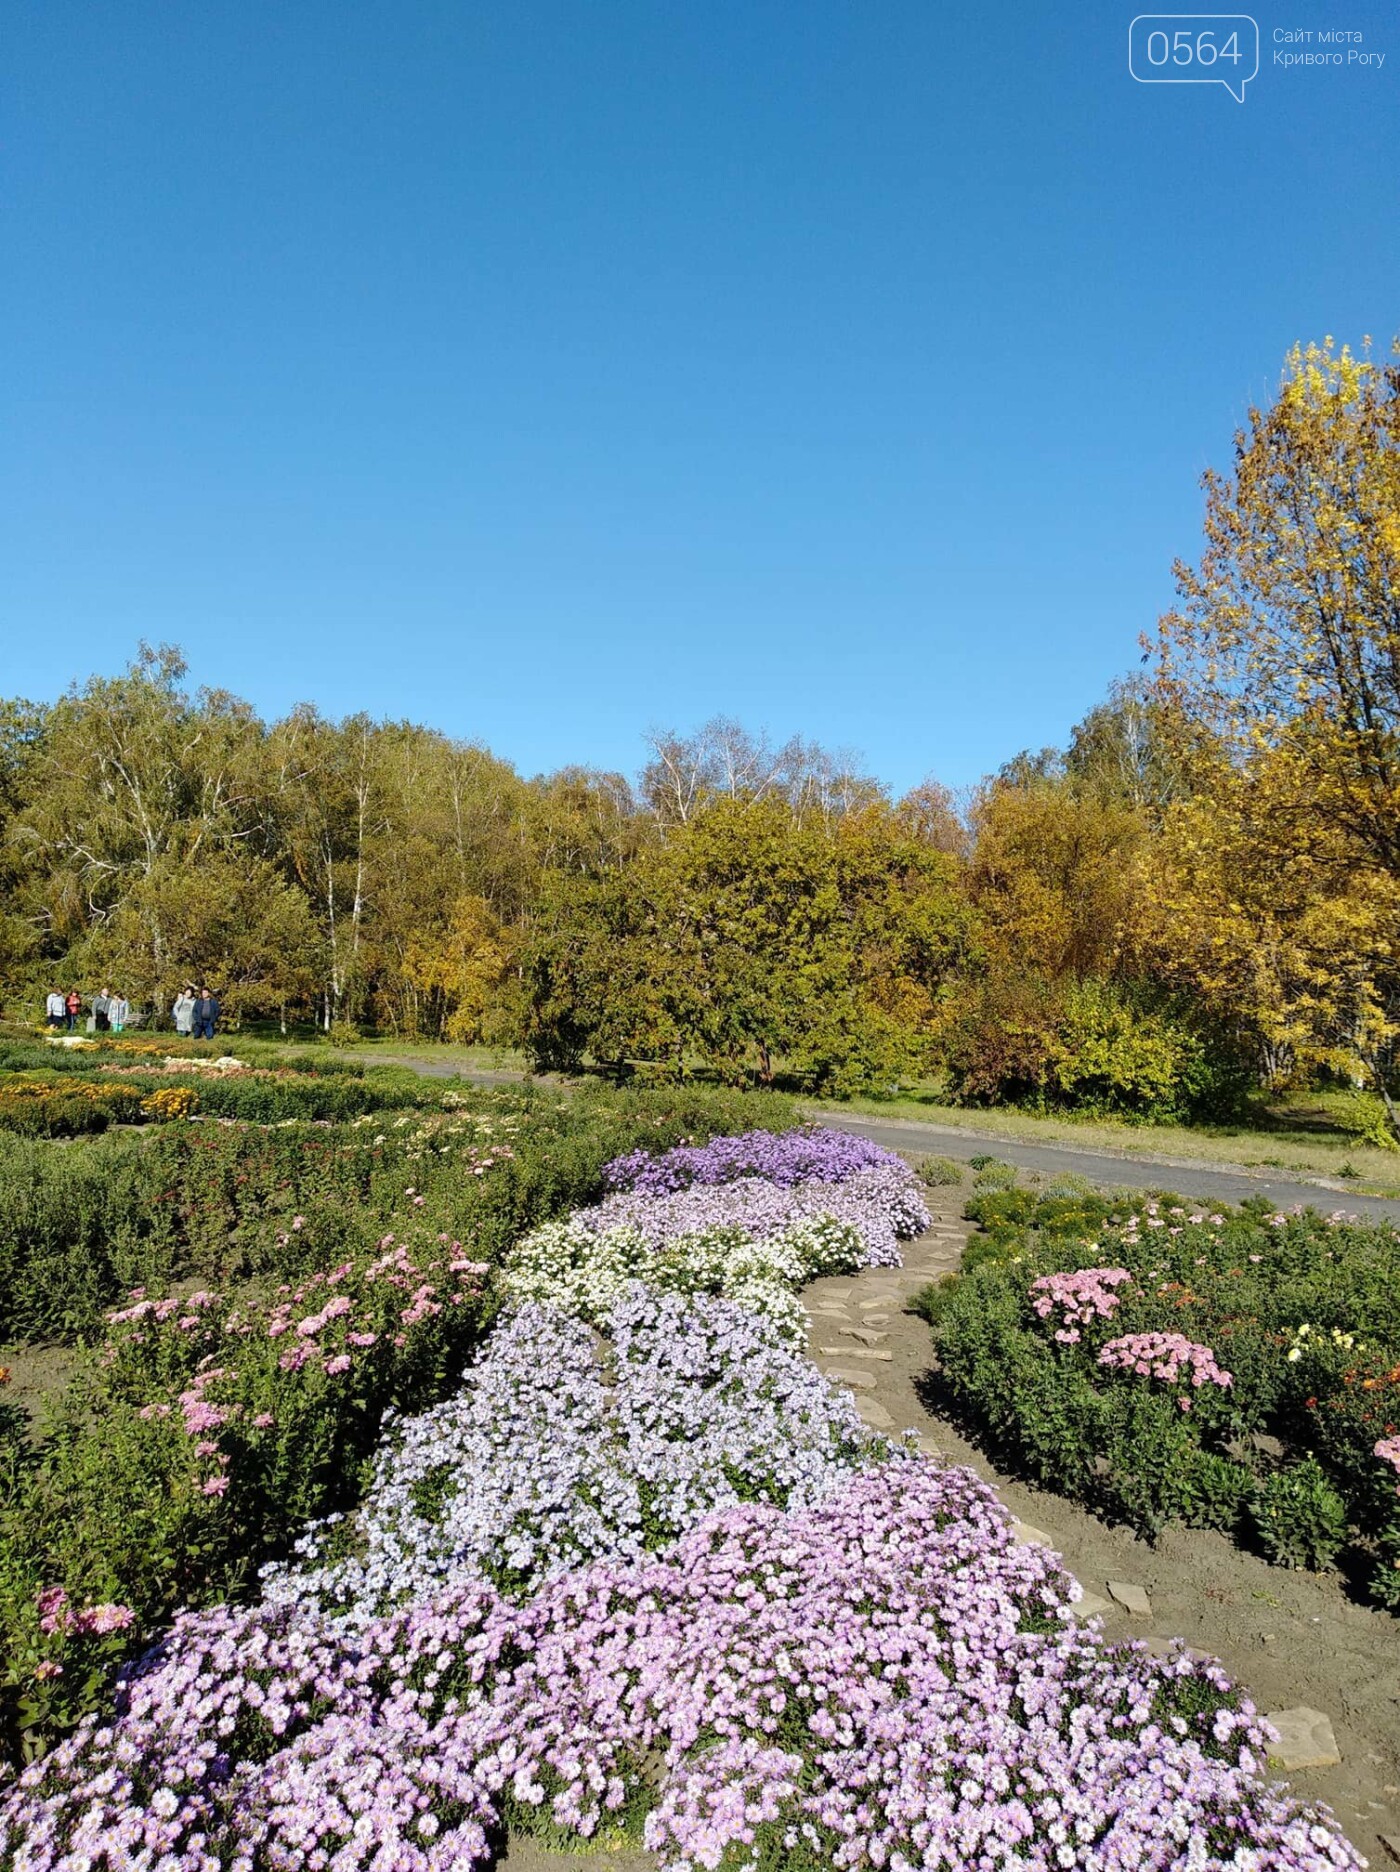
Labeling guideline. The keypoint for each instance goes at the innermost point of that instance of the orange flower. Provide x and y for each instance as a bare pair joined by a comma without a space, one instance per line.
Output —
4,1374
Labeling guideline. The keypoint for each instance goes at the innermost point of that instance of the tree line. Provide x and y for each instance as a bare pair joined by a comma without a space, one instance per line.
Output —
1196,895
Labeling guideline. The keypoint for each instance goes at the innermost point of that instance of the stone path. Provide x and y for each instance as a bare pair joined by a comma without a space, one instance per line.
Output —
1192,1585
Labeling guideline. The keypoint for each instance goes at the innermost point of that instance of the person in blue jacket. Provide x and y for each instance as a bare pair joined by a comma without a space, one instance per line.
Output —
206,1014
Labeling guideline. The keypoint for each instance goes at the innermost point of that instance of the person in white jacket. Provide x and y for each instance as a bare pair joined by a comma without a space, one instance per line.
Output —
55,1009
118,1012
183,1012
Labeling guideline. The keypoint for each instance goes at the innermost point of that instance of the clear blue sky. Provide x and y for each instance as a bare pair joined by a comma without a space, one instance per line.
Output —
547,371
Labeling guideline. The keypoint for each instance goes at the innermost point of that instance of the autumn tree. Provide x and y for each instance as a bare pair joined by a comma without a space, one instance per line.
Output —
1053,873
1283,658
755,941
1287,639
134,788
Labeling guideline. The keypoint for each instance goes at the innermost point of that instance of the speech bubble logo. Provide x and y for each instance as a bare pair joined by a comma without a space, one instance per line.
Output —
1195,48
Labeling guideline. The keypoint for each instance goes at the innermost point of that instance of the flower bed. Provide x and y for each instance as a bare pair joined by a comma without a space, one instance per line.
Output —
66,1106
212,1427
548,1459
207,1433
652,1582
883,1204
1148,1359
572,1266
883,1678
213,1201
810,1154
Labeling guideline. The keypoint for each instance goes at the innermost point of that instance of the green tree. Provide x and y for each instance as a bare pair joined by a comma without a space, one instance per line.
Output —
753,940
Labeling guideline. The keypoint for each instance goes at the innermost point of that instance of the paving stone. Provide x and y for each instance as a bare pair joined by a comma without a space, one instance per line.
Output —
1132,1598
1305,1739
862,1380
1391,1842
850,1351
864,1334
876,1319
1089,1606
1026,1534
1169,1647
873,1412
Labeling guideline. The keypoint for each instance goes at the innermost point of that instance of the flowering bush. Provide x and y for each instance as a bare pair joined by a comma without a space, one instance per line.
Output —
1168,1356
209,1429
65,1107
883,1204
1238,1325
813,1154
882,1678
168,1102
539,1465
570,1266
1082,1297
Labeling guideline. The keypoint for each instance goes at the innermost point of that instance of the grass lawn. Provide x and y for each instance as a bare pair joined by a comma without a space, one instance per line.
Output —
1307,1132
440,1054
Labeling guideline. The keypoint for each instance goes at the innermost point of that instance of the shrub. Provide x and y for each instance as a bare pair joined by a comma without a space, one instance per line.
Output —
1110,1056
58,1107
1300,1518
169,1102
992,1174
939,1172
1092,1338
1087,1047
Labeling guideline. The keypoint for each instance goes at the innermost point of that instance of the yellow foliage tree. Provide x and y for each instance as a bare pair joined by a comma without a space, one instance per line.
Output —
1274,921
467,972
1054,876
1277,885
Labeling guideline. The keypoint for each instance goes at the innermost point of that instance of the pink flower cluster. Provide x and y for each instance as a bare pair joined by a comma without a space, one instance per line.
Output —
882,1680
1388,1449
207,1357
1165,1355
57,1613
1082,1296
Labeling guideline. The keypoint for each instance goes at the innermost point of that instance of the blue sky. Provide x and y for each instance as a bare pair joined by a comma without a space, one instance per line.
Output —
550,371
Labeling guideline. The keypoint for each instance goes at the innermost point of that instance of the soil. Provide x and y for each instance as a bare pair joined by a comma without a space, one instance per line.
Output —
38,1374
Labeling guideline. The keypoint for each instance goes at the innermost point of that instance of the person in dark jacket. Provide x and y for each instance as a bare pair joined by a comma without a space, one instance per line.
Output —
206,1014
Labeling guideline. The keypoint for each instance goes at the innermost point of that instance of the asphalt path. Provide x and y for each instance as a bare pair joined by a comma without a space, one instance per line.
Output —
1229,1183
1205,1182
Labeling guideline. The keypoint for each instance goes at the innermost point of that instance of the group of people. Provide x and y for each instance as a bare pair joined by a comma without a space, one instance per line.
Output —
195,1013
110,1012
